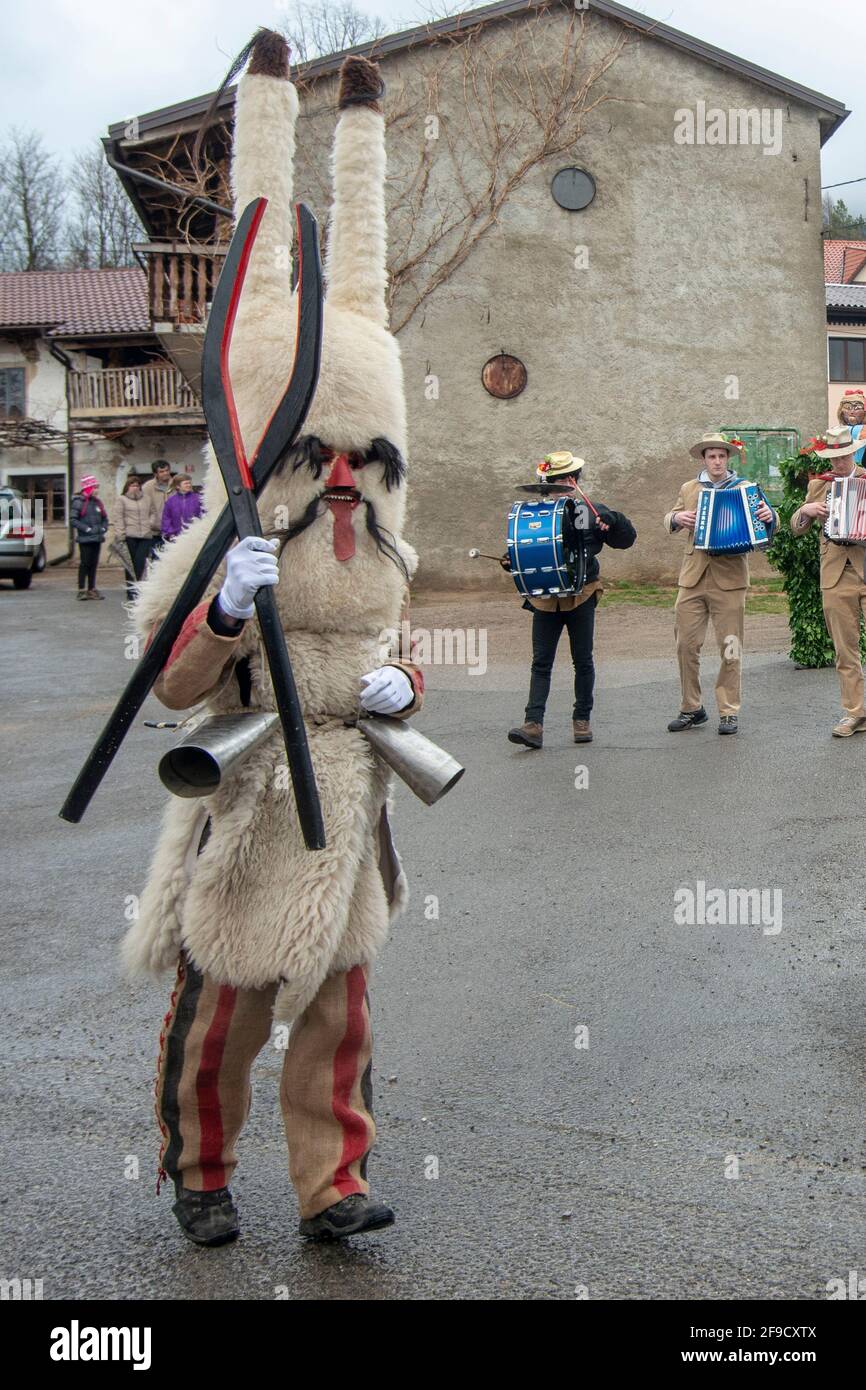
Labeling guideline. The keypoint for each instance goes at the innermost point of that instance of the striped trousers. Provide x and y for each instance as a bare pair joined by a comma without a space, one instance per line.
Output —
210,1039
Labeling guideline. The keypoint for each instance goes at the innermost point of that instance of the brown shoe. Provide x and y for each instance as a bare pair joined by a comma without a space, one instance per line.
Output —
582,731
848,726
94,593
530,735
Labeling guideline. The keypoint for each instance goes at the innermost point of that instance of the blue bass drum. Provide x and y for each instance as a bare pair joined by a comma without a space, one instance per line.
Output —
545,546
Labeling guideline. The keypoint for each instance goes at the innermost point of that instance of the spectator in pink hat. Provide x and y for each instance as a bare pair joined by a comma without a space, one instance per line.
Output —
90,524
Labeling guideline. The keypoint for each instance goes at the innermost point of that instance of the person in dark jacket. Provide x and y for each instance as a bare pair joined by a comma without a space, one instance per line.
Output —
90,524
575,613
181,506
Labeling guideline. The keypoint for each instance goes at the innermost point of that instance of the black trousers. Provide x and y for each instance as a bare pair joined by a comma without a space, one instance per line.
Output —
546,632
88,562
140,550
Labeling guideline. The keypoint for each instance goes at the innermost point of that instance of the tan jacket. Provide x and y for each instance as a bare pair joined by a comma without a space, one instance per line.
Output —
155,498
726,571
834,556
132,518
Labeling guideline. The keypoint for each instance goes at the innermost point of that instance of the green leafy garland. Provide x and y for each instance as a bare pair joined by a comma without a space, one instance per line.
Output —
798,560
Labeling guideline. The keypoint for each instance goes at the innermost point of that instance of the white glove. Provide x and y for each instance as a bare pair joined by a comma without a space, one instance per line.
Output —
250,565
387,690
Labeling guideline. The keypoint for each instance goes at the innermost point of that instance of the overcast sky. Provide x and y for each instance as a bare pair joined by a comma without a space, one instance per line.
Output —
71,67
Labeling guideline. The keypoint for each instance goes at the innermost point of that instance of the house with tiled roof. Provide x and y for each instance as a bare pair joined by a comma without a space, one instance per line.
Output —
844,261
86,387
845,296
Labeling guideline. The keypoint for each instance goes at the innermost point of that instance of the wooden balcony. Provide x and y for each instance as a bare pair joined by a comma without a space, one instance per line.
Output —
153,395
181,281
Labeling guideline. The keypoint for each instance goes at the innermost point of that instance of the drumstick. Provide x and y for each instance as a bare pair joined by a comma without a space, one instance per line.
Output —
588,503
479,554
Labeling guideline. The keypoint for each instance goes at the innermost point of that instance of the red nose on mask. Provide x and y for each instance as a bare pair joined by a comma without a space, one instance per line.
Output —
340,474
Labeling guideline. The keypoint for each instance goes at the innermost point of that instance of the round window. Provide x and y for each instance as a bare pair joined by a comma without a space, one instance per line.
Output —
573,189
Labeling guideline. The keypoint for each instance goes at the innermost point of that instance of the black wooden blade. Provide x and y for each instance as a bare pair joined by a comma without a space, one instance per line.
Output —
291,411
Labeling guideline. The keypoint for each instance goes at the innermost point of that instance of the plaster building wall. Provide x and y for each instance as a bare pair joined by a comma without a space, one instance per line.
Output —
698,303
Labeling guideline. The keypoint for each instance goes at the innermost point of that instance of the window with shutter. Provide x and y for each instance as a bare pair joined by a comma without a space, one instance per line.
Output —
11,393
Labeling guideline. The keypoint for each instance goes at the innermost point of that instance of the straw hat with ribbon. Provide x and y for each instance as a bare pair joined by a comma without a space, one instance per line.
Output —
558,464
714,441
836,443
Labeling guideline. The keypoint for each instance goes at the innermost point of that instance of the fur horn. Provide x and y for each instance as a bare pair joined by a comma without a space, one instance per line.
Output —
356,269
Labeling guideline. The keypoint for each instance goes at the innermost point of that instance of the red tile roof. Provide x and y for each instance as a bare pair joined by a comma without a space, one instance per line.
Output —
842,261
75,303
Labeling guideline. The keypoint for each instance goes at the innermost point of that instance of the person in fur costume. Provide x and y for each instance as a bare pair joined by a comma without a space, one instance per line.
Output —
269,939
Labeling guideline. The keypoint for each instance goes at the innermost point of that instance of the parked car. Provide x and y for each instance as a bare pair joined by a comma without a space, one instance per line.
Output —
22,549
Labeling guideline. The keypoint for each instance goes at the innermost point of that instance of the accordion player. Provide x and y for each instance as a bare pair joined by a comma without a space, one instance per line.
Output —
727,520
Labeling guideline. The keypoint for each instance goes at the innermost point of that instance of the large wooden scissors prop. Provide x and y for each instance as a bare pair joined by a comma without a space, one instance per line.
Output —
244,479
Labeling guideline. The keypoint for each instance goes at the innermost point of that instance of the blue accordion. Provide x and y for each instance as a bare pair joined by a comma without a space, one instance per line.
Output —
727,520
546,546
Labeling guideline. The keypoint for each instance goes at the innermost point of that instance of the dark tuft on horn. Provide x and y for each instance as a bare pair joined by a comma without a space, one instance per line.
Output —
361,84
270,54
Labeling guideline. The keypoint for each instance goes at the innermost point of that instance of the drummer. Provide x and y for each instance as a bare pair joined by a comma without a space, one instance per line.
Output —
574,612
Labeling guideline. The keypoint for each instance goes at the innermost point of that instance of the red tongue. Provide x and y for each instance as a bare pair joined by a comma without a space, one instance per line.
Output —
344,531
340,475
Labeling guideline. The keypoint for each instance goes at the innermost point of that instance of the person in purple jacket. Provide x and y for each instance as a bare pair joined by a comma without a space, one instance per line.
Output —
181,506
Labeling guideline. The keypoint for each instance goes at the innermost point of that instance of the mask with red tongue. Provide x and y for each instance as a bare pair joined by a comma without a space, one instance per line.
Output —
342,497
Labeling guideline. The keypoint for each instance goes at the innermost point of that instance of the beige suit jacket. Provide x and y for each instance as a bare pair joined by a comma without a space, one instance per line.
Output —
834,556
726,571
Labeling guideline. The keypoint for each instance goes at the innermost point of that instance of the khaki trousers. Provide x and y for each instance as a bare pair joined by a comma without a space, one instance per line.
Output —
211,1036
843,605
693,610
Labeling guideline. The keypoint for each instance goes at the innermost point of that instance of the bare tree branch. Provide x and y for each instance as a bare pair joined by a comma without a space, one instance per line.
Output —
102,224
521,104
315,28
32,196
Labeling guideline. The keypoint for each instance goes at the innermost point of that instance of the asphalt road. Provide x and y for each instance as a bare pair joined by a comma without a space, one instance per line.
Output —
712,1050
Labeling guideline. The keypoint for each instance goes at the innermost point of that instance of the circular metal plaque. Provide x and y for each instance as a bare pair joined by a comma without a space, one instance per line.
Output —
503,376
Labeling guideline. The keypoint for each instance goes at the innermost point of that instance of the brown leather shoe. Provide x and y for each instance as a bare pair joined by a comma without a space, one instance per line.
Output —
530,735
582,731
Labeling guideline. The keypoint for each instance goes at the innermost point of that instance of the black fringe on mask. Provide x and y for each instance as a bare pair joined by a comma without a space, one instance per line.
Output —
306,451
394,465
385,542
306,520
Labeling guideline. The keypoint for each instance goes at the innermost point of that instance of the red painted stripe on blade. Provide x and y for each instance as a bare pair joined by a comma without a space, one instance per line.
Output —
355,1138
187,632
207,1090
263,434
225,345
